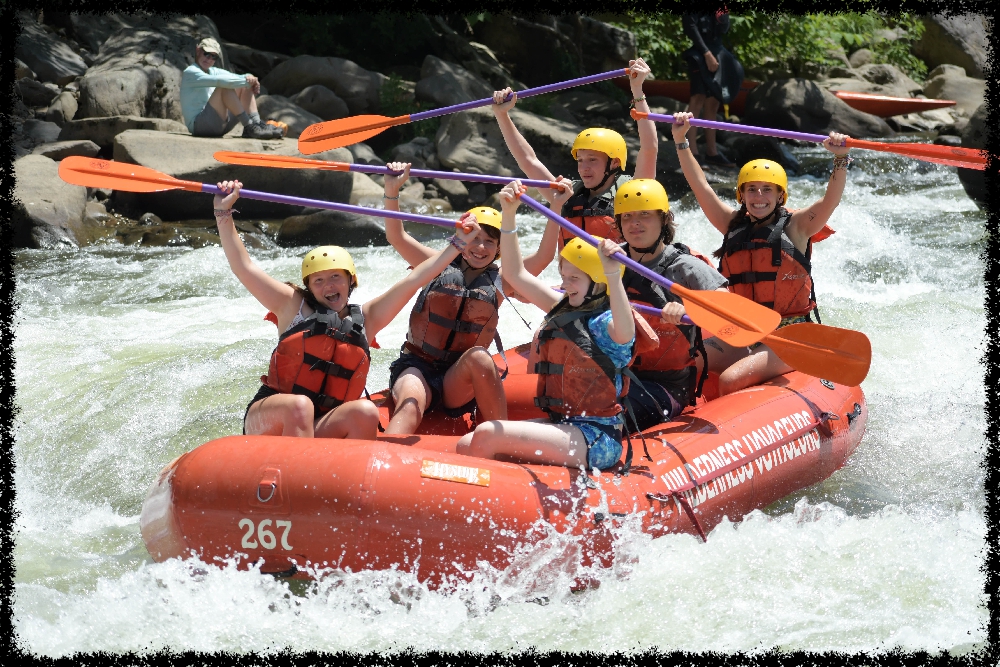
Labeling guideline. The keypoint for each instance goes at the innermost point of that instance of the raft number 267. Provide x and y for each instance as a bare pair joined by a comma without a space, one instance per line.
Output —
266,537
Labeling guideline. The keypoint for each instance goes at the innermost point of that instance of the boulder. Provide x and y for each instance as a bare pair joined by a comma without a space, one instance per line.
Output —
799,104
102,131
419,152
444,84
358,87
476,58
322,102
951,83
365,191
35,93
741,148
956,39
934,120
58,150
138,70
455,191
324,227
602,46
975,135
281,108
874,79
48,212
92,29
22,71
62,109
246,60
41,131
50,58
586,105
362,153
860,57
191,158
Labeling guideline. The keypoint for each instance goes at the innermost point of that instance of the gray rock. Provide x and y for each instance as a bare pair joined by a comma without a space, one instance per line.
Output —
246,60
890,77
191,158
321,101
414,190
332,228
358,87
35,93
91,30
149,219
585,105
741,148
952,84
362,153
799,104
365,191
281,108
948,140
50,58
444,84
41,131
956,39
419,152
975,135
22,71
861,57
664,105
455,191
48,212
62,109
102,131
477,194
63,149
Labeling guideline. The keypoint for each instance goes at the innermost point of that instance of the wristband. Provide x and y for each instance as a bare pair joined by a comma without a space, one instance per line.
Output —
841,162
225,211
458,243
682,145
390,198
509,231
636,99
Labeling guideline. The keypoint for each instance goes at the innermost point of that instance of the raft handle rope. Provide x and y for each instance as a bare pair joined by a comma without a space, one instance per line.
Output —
274,485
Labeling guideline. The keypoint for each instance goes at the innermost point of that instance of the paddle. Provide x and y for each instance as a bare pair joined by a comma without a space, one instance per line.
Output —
838,355
732,318
950,155
289,162
346,131
94,173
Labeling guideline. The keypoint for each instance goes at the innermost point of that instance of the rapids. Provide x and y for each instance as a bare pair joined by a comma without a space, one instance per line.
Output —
127,357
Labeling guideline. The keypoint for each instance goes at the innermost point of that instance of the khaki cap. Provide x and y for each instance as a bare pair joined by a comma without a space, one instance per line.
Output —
209,45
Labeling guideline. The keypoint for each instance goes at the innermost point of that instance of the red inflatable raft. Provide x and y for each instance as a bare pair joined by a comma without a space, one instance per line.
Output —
411,502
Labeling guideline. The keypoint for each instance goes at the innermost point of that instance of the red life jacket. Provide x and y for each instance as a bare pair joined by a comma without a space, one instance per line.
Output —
674,358
325,357
576,378
763,265
595,216
451,317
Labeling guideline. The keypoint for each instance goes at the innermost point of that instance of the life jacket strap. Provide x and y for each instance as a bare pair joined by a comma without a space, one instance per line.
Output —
548,368
748,277
458,326
328,367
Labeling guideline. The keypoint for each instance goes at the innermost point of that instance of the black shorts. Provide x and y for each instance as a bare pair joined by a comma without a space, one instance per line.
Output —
654,403
261,394
698,86
434,375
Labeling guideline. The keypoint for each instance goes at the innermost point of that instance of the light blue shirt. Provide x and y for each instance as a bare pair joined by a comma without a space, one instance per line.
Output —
197,87
619,353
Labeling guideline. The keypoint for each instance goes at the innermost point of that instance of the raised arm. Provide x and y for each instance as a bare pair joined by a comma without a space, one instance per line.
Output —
271,293
518,146
808,221
381,310
408,247
645,162
717,212
531,288
536,262
622,326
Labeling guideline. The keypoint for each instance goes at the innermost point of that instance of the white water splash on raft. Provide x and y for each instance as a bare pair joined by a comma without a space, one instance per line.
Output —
127,357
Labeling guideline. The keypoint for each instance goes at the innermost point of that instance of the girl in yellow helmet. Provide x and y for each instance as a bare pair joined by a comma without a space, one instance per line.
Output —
578,353
767,249
600,155
306,397
444,363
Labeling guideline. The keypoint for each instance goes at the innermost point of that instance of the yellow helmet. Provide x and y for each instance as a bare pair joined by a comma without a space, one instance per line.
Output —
641,194
584,256
486,216
600,139
766,171
328,257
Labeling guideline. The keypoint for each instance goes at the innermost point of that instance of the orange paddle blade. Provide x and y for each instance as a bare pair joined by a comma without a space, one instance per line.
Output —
344,132
94,173
951,155
839,355
731,317
283,161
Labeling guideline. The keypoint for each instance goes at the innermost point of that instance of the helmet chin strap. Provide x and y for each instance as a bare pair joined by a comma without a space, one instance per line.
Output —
608,171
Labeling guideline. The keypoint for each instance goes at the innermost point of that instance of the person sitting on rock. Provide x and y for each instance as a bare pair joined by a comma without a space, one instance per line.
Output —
213,100
766,249
601,156
317,373
444,362
587,337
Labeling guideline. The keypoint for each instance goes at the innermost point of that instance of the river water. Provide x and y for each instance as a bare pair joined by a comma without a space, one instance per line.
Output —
126,357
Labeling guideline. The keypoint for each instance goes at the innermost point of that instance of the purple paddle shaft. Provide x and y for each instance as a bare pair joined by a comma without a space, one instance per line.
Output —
621,257
746,129
346,208
452,176
541,90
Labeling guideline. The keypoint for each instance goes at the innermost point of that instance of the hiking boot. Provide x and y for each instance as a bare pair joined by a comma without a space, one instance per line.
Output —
258,131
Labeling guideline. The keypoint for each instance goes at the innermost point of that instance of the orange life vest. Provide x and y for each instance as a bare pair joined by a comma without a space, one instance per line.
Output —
325,358
595,216
575,377
763,265
451,317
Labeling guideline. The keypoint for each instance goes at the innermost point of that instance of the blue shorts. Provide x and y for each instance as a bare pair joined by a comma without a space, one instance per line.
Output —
604,443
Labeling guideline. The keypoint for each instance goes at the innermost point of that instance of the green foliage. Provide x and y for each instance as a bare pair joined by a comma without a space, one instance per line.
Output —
659,41
397,100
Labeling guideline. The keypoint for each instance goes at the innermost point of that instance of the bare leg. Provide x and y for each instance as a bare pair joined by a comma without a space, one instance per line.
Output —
760,366
354,419
412,395
694,106
248,101
226,99
281,414
711,110
475,375
529,441
721,355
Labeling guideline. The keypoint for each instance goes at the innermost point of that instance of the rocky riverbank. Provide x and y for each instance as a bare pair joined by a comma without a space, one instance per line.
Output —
108,86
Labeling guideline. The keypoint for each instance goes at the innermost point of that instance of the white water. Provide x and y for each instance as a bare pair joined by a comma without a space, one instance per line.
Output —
127,357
